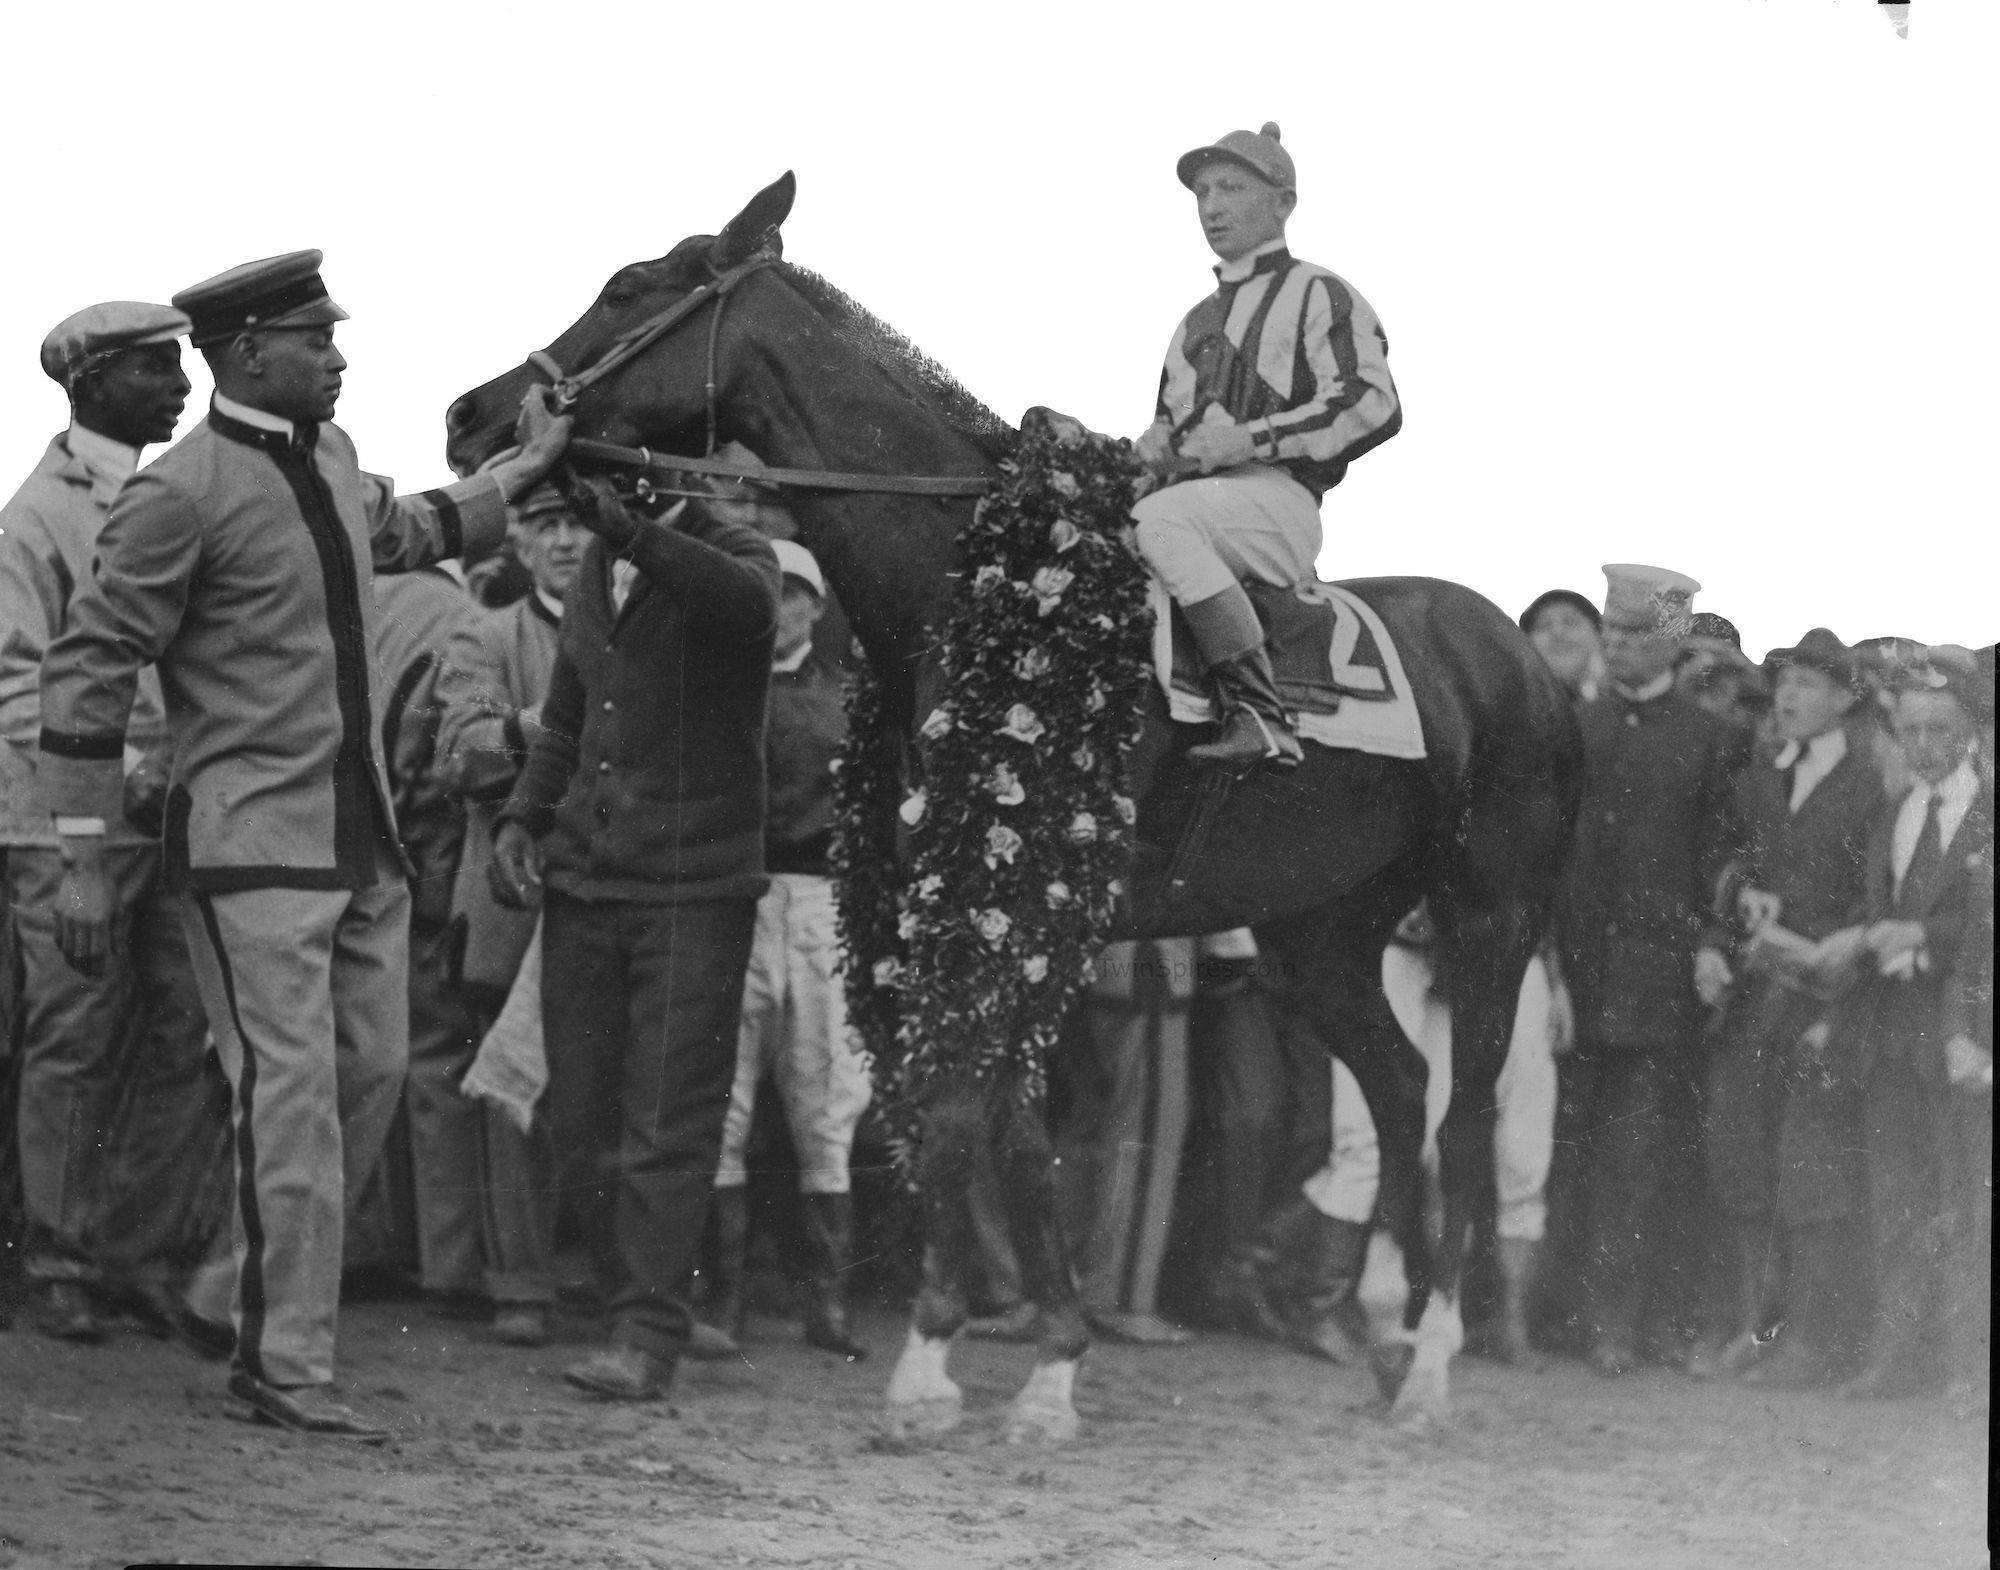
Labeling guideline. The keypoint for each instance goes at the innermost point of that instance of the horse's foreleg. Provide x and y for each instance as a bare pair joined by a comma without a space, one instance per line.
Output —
922,1399
1044,1412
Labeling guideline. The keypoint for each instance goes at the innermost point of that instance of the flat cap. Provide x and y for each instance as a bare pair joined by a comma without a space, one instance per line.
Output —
540,500
77,341
279,291
1955,670
1658,595
1818,650
1257,151
795,561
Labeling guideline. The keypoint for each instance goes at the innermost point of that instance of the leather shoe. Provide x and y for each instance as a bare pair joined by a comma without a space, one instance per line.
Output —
708,1344
521,1324
1136,1329
62,1309
621,1373
1792,1365
306,1409
1613,1359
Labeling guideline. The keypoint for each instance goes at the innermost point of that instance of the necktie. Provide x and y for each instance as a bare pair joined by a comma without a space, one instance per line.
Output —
1788,782
1925,857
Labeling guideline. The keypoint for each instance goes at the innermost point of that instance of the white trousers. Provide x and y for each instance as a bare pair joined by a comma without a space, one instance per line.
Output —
795,1026
1523,1135
1253,522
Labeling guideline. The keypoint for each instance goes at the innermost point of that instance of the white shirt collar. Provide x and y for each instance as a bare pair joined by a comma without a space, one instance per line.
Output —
108,463
1821,753
1954,792
1655,688
784,665
245,415
549,603
1246,264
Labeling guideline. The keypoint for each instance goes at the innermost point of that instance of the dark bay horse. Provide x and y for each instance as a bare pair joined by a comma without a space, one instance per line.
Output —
1322,862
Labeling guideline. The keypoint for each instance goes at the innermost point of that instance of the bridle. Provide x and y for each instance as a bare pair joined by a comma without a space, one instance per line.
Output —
628,346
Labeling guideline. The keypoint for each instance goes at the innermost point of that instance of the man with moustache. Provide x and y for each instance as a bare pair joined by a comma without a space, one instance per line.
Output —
111,1195
241,563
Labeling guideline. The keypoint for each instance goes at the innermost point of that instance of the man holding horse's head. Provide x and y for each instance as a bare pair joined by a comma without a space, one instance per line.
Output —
1273,385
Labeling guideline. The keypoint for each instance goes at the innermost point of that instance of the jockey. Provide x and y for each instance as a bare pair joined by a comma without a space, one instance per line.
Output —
1273,385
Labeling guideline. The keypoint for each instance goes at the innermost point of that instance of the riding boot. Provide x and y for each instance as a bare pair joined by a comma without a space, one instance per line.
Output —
828,1220
1255,727
727,1304
1322,1318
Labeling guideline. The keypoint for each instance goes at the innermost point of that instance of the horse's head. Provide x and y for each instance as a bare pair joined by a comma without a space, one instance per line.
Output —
665,407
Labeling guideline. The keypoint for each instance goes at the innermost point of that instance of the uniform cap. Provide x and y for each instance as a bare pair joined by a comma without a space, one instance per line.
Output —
1658,595
541,499
795,561
279,291
79,341
1257,151
1819,650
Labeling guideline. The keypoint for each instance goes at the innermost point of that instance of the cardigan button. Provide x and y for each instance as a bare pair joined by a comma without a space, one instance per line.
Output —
609,705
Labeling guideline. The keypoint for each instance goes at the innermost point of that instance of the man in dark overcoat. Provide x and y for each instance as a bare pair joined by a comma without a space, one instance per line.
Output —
1782,1138
1911,1028
1652,836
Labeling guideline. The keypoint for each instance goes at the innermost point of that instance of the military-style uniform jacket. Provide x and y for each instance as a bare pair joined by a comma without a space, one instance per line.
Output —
1653,835
48,542
241,562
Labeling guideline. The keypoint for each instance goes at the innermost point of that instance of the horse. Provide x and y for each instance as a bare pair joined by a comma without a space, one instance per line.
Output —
721,339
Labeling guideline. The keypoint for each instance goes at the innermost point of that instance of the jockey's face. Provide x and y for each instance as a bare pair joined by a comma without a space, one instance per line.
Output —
1239,211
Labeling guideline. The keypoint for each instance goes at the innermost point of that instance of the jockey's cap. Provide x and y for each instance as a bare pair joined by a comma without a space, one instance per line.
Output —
278,291
77,342
1257,151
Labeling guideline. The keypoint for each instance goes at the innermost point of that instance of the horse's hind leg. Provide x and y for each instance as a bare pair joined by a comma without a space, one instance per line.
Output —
1044,1411
922,1399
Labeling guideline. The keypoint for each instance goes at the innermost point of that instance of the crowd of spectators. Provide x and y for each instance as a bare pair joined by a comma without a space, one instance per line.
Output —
1745,1124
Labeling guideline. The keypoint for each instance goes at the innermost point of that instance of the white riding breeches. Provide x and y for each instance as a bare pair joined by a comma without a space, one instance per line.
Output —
1524,1130
1253,522
795,1025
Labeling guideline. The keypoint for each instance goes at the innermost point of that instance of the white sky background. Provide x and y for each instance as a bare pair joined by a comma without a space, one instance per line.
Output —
1708,283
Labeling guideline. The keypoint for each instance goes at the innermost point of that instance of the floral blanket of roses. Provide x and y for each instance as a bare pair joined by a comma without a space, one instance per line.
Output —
963,961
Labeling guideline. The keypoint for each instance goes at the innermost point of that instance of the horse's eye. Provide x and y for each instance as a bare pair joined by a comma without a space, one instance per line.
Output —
618,296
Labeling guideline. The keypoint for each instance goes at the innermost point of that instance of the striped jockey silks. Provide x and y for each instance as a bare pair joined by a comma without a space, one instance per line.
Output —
1294,354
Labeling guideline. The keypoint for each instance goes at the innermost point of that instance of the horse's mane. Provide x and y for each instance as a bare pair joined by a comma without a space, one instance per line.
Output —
915,374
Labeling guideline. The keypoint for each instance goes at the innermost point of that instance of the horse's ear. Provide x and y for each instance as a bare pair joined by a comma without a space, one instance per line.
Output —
756,227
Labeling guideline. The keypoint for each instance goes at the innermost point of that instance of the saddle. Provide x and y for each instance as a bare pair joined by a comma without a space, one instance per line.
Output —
1336,666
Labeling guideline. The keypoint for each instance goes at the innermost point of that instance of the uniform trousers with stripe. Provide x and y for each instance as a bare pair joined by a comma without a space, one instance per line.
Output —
794,1027
640,1005
308,996
122,1123
1254,522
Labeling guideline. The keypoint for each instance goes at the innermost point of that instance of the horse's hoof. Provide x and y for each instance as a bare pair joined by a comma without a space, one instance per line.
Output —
1390,1362
1423,1405
1416,1419
1039,1425
910,1422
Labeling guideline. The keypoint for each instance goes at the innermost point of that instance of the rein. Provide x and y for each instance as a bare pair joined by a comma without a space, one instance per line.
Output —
628,346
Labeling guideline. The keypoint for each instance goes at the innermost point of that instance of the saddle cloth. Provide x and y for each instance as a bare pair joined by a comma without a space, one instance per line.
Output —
1336,665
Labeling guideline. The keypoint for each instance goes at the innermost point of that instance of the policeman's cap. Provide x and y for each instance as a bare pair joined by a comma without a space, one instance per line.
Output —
279,291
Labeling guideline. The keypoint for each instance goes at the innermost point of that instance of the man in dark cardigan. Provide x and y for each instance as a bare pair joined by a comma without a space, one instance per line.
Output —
1651,838
643,800
1783,1139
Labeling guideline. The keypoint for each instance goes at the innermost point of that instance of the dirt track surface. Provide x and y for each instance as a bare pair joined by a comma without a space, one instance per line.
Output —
1225,1454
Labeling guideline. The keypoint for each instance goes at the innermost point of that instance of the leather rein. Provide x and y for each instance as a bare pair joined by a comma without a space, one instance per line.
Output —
628,346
